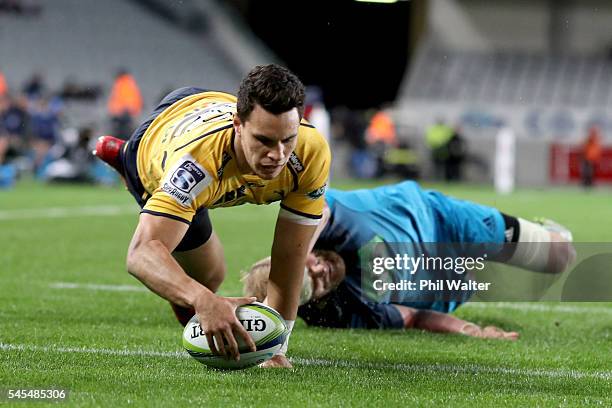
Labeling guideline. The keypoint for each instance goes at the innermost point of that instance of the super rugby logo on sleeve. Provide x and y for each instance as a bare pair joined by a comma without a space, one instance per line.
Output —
185,180
313,195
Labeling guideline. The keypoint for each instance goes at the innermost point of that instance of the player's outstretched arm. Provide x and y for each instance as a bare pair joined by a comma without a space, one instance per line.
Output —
322,223
150,260
541,248
289,251
433,321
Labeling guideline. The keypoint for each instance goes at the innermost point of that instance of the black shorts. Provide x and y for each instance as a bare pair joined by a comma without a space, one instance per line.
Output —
200,228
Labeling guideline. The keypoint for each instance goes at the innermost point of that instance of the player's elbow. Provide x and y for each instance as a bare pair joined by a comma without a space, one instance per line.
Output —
136,258
419,319
410,316
132,260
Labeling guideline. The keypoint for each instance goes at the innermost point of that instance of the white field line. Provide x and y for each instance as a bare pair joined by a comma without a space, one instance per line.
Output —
530,307
85,350
412,368
454,368
64,212
92,286
108,210
541,307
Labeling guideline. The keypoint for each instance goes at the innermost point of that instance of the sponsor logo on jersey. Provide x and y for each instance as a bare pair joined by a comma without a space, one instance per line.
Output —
280,196
186,180
313,195
508,234
226,158
488,221
295,163
232,197
187,176
181,198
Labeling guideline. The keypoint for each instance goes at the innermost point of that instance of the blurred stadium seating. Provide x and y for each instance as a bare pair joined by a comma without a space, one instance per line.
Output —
76,47
541,68
97,38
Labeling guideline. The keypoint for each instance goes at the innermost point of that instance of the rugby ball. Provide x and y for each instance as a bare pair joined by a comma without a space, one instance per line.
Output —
265,325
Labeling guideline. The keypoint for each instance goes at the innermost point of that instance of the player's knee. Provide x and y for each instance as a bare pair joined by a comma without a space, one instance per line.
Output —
182,314
215,277
210,276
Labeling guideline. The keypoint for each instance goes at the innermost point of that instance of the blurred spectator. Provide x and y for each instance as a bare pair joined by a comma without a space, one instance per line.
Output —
71,159
437,137
456,154
381,129
350,126
4,137
381,137
45,125
3,86
124,104
591,156
78,91
315,112
13,122
35,87
12,137
20,7
402,161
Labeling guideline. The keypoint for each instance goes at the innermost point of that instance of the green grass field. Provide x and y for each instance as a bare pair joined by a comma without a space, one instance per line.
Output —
62,250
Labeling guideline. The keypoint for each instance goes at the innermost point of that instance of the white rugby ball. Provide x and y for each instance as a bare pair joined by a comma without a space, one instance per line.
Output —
265,325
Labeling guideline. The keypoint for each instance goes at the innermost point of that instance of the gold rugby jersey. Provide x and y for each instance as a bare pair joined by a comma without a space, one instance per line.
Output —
186,161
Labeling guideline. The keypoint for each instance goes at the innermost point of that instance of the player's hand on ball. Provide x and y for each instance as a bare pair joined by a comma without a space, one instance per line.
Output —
278,361
217,316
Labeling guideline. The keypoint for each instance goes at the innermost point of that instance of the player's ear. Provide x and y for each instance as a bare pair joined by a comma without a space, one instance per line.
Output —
237,125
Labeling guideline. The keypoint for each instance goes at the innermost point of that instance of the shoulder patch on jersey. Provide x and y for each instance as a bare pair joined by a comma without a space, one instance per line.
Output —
185,180
313,195
296,163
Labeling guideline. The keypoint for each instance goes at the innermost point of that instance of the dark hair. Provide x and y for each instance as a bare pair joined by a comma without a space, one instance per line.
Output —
274,88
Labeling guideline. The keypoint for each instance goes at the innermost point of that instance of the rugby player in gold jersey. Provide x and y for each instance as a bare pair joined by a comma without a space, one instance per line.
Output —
204,149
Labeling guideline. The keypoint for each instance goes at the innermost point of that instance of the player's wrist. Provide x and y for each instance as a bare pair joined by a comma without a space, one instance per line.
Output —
198,295
283,350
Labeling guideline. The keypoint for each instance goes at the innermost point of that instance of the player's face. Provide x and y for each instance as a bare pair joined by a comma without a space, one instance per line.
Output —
265,141
327,270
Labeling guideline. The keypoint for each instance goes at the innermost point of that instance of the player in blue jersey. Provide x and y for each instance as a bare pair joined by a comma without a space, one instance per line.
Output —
333,295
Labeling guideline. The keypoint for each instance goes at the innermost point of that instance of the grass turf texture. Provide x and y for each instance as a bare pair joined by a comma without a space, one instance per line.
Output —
88,340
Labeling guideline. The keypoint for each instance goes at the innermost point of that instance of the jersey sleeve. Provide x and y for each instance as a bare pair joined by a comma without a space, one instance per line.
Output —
386,316
161,204
179,190
306,202
343,309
